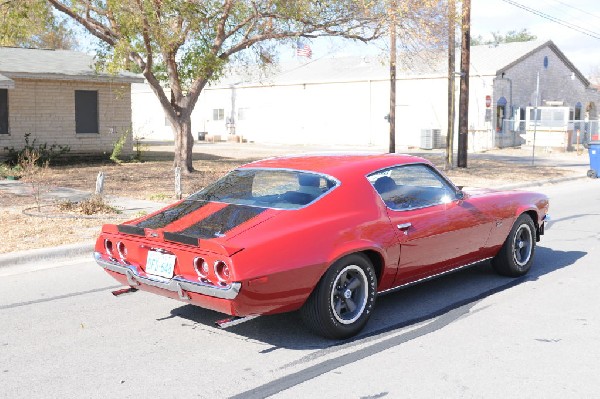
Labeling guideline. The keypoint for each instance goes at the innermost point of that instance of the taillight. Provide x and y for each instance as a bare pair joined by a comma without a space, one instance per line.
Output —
108,247
122,250
222,271
201,267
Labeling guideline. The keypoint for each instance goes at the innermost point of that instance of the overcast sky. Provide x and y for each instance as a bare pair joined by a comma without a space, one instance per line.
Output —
584,51
499,16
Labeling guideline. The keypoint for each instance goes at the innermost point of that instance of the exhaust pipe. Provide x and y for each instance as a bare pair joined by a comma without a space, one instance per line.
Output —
128,290
232,321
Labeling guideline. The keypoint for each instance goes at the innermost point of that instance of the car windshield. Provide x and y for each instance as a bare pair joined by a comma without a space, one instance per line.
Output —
268,188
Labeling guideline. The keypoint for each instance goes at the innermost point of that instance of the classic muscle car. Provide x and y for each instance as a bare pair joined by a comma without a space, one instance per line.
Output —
323,234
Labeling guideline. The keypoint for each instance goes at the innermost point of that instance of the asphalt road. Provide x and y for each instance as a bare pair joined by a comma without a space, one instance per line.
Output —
471,334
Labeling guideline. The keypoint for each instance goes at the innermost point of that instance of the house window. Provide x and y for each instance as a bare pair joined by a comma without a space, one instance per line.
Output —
3,111
218,114
86,111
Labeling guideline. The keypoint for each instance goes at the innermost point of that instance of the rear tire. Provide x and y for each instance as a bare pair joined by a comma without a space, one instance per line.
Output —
592,173
343,300
516,255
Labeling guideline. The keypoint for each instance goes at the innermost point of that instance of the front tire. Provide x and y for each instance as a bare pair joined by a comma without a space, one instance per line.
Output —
343,300
516,255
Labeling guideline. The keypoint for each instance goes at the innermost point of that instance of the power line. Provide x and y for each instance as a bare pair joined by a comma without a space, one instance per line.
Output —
586,12
559,21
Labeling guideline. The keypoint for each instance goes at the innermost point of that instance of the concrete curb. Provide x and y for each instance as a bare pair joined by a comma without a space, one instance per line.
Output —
541,182
61,251
72,250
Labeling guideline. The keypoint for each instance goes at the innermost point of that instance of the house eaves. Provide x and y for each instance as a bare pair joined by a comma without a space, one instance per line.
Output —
6,83
92,77
24,63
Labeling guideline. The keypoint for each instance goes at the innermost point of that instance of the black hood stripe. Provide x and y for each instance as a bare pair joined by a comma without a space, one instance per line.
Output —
130,229
168,216
222,221
180,238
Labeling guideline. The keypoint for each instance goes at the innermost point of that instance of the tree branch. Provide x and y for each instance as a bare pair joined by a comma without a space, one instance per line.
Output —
94,27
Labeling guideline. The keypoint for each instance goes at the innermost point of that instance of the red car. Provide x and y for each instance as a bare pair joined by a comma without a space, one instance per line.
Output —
324,234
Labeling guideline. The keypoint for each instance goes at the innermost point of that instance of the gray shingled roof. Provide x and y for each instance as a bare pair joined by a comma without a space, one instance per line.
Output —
485,60
54,64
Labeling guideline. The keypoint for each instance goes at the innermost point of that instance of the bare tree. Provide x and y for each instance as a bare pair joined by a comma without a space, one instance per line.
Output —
414,25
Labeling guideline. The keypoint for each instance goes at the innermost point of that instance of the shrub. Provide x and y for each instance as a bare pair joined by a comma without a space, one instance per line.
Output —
118,147
91,206
45,153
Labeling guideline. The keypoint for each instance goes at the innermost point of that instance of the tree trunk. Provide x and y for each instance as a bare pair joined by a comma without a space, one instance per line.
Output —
184,141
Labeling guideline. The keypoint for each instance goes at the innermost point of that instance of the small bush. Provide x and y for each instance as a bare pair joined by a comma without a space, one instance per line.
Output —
6,170
45,153
118,147
91,206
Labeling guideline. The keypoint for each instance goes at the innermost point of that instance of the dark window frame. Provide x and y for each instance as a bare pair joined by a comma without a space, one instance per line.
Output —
87,113
4,126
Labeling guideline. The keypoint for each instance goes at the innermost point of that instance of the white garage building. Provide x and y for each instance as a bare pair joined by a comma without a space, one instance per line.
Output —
344,100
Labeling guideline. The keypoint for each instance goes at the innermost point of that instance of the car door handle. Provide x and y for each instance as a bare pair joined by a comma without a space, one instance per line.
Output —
404,227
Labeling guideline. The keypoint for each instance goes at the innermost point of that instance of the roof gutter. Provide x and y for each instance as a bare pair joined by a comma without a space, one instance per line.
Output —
104,78
6,83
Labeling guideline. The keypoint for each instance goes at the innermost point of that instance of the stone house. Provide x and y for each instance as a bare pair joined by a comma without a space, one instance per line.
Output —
57,97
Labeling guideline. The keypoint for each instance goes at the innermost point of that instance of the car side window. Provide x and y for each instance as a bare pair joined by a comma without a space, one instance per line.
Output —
411,186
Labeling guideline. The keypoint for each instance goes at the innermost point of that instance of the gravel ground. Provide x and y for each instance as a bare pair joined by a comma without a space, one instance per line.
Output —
153,180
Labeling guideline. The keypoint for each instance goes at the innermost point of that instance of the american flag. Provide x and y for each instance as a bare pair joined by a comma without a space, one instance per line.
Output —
303,50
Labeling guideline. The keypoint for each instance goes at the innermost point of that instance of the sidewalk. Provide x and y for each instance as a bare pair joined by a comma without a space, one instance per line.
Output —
131,208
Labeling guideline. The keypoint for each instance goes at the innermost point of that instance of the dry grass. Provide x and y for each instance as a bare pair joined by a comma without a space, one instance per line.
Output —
153,180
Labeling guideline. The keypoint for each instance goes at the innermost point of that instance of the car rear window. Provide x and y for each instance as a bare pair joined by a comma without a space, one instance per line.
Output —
269,188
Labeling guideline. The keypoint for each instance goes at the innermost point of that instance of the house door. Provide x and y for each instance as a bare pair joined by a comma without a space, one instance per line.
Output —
501,115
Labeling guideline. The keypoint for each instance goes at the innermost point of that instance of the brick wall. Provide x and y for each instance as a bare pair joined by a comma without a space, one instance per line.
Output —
46,109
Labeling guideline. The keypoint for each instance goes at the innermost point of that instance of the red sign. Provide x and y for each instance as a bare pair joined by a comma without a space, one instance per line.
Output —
488,101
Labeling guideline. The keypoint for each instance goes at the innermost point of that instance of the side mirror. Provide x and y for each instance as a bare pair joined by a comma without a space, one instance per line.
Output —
460,195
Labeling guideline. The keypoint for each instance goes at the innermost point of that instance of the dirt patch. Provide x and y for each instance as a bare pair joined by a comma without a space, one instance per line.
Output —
153,180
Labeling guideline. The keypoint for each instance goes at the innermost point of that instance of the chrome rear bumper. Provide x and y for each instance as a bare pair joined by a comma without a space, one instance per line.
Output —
136,277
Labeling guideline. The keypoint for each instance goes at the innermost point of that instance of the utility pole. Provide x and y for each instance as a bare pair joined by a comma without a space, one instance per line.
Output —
463,106
392,117
451,85
535,116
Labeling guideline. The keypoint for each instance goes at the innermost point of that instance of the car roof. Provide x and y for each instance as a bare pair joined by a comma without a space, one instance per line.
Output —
338,165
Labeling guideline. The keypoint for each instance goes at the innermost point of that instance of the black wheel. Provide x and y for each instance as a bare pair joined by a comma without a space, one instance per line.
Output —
342,301
592,173
516,255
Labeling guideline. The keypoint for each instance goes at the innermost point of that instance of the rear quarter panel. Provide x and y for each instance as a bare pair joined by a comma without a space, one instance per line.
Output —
285,256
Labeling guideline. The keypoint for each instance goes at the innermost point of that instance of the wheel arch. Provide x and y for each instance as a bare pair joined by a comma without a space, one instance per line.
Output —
371,251
533,214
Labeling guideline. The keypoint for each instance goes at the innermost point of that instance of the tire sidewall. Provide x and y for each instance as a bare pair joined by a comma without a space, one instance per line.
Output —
341,330
514,267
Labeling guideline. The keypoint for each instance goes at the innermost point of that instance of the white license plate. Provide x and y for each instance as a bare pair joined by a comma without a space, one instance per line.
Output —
159,264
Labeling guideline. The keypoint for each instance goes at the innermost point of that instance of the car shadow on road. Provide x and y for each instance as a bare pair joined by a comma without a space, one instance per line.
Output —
393,312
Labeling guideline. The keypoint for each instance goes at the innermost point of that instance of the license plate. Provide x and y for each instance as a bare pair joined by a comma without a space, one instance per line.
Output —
159,264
